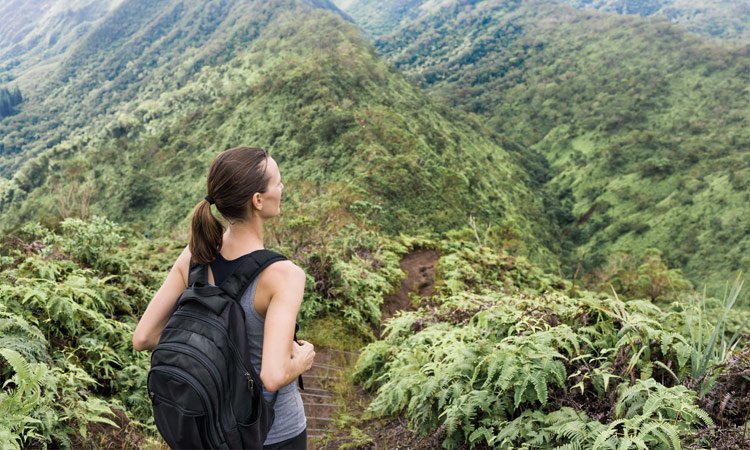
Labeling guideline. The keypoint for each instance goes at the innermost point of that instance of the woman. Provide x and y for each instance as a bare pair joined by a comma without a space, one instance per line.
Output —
245,184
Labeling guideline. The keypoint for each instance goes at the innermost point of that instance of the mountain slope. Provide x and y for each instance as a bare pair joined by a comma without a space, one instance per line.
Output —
138,51
333,114
36,33
645,125
724,19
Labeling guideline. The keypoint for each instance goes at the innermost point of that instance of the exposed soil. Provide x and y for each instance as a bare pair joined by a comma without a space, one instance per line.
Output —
419,268
728,404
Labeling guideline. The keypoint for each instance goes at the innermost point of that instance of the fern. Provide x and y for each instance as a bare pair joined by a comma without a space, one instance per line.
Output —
19,402
19,335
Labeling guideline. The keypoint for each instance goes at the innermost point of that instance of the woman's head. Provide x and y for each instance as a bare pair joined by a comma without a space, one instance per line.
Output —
242,182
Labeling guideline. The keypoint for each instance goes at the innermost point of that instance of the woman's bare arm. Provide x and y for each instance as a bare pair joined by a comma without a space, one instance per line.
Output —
155,318
283,359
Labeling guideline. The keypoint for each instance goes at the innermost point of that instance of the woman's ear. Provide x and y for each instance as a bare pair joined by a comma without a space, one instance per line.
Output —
257,201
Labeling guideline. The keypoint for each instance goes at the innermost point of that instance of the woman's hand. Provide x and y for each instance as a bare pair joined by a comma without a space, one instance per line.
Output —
303,354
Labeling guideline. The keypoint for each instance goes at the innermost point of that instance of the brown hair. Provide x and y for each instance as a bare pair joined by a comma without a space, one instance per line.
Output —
234,177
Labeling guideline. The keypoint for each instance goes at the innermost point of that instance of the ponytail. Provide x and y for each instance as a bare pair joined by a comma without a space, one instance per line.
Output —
205,234
234,177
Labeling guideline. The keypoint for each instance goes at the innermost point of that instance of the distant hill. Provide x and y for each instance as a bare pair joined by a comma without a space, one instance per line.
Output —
646,126
35,33
152,102
136,52
724,19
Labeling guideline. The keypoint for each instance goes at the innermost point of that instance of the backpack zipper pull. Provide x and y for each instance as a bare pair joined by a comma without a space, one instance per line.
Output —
249,381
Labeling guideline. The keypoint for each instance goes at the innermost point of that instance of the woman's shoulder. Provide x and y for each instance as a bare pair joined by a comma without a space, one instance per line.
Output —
182,264
282,279
283,271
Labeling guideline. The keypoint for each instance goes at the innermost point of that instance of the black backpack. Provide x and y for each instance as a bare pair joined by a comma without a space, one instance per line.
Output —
204,390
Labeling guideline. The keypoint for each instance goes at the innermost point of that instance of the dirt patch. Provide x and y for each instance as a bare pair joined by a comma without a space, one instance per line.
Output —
419,267
728,404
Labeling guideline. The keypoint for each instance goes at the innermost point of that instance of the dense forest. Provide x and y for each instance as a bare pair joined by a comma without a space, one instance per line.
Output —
312,102
644,125
576,170
723,19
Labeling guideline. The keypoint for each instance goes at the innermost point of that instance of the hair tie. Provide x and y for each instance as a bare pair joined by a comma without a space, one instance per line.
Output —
209,199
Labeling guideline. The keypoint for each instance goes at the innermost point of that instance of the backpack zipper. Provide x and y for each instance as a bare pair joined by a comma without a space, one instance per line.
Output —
217,325
162,399
181,348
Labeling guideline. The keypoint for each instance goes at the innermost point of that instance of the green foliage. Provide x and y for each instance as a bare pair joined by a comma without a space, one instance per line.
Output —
710,343
43,404
718,18
485,269
644,126
17,334
650,278
68,305
348,278
722,19
310,90
92,243
503,364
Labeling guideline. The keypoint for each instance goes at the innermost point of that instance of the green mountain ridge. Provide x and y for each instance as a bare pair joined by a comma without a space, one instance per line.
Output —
315,94
135,53
645,126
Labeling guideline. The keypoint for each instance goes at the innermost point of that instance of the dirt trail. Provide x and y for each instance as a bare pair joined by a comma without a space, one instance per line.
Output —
419,267
319,398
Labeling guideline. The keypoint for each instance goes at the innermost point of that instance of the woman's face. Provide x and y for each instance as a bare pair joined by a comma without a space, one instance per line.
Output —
270,201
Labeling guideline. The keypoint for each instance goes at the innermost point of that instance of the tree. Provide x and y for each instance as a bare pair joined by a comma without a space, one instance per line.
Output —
8,99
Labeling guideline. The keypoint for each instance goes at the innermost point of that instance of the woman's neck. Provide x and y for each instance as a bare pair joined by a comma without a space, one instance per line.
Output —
242,238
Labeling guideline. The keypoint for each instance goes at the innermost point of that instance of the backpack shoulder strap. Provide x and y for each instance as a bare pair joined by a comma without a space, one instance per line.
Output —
248,270
198,273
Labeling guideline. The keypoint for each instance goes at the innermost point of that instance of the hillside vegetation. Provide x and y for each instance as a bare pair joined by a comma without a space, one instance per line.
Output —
504,356
340,123
36,33
724,19
137,51
645,126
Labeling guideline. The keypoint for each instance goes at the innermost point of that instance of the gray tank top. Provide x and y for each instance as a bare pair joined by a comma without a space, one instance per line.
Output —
290,413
